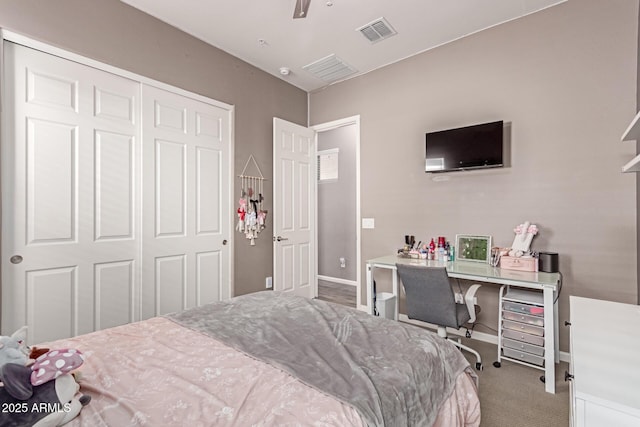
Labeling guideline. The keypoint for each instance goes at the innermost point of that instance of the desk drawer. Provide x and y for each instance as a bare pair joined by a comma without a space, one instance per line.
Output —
525,357
523,327
523,346
533,310
523,318
519,336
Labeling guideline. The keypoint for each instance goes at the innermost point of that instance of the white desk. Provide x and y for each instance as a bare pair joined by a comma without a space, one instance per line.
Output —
481,272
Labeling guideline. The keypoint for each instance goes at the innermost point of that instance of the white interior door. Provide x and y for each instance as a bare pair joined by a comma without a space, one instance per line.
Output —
186,180
69,231
294,209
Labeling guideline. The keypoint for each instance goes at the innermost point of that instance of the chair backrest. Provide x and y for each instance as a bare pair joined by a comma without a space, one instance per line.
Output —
429,295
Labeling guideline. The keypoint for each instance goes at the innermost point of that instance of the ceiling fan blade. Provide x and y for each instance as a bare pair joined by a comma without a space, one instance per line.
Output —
302,7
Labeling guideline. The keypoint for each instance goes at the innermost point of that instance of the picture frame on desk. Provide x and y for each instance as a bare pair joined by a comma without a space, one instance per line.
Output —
473,248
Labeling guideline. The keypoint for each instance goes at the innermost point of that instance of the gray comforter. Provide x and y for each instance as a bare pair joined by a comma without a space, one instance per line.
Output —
392,373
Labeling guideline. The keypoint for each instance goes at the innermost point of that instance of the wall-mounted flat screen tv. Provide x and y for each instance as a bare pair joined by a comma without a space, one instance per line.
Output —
471,147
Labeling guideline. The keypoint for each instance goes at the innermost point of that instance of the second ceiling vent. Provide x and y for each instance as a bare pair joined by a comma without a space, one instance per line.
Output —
330,68
377,30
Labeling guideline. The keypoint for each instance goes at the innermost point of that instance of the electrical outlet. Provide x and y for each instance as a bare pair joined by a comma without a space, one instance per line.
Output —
269,282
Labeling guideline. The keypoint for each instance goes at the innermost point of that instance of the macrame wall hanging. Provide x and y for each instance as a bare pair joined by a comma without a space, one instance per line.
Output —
251,216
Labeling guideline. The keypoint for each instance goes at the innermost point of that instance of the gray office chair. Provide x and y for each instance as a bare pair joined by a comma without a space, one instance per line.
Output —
431,299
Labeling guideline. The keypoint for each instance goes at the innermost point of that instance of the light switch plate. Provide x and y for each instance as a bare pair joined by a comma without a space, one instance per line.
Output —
368,223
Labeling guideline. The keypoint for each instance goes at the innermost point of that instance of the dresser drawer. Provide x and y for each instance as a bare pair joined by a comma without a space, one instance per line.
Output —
519,336
523,346
523,318
524,356
517,307
523,327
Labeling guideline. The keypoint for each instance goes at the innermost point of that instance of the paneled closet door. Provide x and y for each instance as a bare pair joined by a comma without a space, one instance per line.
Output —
70,236
186,182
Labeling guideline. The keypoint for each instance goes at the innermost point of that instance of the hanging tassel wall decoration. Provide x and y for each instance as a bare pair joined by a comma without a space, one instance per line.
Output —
251,215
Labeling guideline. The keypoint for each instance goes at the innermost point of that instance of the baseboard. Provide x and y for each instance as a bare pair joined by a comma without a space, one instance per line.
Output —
480,336
338,280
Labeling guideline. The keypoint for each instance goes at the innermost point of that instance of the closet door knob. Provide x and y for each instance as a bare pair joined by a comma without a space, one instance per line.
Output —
16,259
224,242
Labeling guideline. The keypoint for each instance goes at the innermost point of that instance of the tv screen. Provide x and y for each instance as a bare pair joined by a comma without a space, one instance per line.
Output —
470,147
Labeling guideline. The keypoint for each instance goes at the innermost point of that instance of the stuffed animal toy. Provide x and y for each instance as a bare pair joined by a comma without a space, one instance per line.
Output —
44,392
54,363
13,349
46,367
51,404
37,352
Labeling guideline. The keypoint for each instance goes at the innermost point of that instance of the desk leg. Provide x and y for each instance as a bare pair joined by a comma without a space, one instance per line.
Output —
550,326
369,289
556,323
394,281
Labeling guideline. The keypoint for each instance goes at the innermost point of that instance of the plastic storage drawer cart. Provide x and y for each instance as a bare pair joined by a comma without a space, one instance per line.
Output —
521,328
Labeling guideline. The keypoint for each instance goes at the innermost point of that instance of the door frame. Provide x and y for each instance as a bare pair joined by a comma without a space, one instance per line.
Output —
10,36
323,127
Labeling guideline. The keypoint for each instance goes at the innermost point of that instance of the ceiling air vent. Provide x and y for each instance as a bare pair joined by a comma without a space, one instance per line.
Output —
330,68
377,30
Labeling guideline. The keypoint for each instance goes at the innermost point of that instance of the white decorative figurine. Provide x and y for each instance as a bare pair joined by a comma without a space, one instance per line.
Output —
522,241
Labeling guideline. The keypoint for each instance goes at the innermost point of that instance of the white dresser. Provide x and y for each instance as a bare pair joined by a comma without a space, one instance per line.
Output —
605,363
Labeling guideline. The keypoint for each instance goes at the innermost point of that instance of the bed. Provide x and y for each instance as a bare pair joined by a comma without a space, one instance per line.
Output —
270,358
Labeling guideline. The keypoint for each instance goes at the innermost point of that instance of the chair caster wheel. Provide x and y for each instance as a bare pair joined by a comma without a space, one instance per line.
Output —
479,366
496,364
467,334
542,378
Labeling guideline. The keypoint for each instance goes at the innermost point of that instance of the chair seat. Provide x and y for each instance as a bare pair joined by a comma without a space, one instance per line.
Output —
462,317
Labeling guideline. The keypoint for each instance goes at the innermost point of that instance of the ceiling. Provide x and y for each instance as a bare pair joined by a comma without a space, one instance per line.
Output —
264,33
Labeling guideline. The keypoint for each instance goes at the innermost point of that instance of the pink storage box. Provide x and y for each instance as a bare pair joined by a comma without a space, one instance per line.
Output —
521,264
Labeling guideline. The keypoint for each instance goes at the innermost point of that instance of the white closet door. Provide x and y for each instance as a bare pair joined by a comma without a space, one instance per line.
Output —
69,234
186,202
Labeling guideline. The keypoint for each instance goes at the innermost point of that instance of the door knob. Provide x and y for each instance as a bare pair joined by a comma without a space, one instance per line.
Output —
280,238
224,242
16,259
